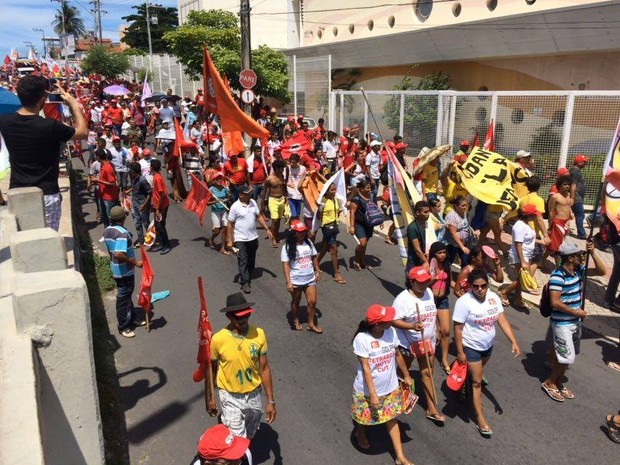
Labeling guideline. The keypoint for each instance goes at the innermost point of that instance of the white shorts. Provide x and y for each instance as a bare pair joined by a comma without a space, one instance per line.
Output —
219,219
566,341
241,413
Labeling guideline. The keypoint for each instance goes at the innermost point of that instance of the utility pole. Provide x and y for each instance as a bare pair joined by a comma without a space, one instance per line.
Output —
62,17
246,46
38,29
148,32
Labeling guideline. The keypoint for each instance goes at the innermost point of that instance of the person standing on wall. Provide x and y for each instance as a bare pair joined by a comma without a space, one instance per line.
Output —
34,143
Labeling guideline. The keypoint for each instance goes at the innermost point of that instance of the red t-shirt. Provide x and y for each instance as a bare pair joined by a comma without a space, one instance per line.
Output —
116,115
160,198
258,176
107,174
237,173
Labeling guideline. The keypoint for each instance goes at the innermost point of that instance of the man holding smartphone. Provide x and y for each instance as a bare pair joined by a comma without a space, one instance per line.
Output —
34,143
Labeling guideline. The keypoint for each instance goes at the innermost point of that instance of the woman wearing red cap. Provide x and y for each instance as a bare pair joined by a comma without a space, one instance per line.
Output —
475,315
301,270
218,446
521,254
376,393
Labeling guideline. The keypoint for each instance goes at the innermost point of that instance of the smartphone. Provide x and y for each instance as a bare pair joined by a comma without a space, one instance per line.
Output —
54,98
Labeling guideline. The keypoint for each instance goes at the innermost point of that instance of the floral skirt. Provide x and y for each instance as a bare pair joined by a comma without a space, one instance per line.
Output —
391,406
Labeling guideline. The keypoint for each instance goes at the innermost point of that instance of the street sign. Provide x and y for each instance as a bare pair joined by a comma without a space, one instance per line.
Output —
247,96
247,79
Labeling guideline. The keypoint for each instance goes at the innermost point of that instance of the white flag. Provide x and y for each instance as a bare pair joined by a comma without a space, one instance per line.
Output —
146,89
341,194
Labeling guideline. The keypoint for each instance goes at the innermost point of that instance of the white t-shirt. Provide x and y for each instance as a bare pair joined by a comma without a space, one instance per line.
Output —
145,169
294,177
373,160
330,149
478,319
244,217
166,114
301,269
381,355
95,114
405,305
521,232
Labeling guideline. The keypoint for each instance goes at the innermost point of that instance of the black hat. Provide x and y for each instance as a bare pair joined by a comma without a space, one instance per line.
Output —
236,302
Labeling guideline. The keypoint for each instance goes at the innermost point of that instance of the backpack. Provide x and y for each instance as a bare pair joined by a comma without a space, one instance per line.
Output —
607,235
383,175
545,301
374,215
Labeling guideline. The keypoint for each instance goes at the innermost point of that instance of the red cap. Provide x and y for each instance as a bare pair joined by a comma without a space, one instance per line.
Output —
401,146
291,119
460,159
218,175
581,158
134,149
219,443
420,274
345,130
298,226
458,373
379,314
277,148
464,142
529,210
146,152
300,116
562,171
115,138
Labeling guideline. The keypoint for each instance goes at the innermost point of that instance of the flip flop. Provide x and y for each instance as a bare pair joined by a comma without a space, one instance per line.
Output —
553,393
315,329
614,366
484,431
356,266
296,325
340,281
436,417
566,393
446,369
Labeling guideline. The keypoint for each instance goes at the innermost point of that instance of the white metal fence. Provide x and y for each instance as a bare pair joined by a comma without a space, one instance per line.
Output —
168,73
554,126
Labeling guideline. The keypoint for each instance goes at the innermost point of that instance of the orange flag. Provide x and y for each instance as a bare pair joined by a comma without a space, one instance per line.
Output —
198,198
219,101
144,298
233,143
489,140
180,142
205,331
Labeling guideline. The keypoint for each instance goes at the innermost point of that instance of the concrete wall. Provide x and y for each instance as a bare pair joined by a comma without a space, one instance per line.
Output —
49,407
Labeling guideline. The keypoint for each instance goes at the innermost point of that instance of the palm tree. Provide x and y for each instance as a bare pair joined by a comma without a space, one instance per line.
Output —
73,23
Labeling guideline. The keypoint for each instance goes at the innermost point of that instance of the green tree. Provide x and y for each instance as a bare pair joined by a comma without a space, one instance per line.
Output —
219,31
102,61
73,23
420,113
136,33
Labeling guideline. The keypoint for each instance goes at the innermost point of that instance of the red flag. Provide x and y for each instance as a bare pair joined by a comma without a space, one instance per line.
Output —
180,142
233,142
299,143
144,299
52,110
476,142
198,198
219,101
489,140
205,331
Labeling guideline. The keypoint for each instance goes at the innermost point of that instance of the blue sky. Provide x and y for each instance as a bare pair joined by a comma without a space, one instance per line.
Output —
18,17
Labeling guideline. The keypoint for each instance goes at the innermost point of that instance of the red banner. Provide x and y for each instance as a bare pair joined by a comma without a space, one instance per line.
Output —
144,298
205,331
476,142
198,198
489,140
233,143
180,142
219,101
299,143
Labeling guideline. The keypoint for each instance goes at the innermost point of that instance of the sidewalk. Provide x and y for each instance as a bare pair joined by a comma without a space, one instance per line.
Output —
600,320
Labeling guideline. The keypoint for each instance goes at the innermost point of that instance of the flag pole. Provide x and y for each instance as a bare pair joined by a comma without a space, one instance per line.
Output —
210,385
428,361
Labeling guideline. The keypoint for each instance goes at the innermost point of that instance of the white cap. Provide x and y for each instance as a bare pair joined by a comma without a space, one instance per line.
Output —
522,154
374,143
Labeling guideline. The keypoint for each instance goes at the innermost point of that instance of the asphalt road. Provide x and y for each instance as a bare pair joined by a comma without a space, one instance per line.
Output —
313,374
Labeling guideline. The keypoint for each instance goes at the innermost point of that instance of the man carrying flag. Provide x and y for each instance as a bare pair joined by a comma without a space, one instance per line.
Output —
241,371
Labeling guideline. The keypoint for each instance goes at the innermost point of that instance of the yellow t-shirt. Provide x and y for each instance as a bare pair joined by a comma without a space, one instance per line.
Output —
238,359
451,190
330,210
430,175
533,199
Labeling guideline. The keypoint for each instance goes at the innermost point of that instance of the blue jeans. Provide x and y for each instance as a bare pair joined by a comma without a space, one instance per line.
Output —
106,206
234,193
257,190
246,259
141,220
453,251
375,190
125,311
579,217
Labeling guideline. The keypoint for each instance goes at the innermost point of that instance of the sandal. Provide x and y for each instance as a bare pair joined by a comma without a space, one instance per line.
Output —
315,329
566,393
614,366
357,266
436,417
296,325
553,393
612,430
446,369
484,430
340,280
398,462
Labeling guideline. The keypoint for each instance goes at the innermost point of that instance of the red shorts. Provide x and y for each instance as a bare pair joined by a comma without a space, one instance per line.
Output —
557,234
418,349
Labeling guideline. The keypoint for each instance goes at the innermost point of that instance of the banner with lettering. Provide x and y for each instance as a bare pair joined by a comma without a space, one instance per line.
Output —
488,176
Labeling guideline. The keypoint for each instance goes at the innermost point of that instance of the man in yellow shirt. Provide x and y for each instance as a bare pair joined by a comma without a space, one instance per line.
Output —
241,371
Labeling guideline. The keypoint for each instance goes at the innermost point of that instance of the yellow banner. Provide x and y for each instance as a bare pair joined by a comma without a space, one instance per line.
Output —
488,176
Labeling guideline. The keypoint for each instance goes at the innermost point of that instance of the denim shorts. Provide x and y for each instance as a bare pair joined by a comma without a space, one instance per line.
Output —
474,355
330,235
442,303
363,231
